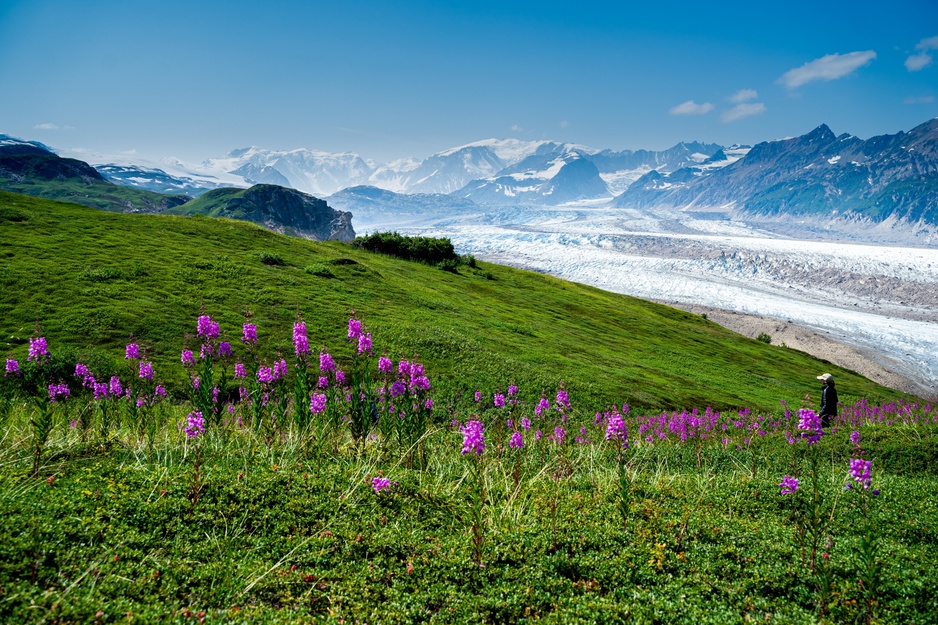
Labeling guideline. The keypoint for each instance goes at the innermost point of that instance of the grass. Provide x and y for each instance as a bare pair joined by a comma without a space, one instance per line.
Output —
92,279
98,194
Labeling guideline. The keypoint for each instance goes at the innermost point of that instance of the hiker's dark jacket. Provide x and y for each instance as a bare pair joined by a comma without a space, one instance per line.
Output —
828,401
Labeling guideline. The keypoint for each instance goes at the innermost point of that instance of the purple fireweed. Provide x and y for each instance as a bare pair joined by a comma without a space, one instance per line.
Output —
195,425
788,485
379,484
132,352
249,334
512,390
280,369
499,400
300,342
354,329
478,396
187,358
265,375
339,377
326,364
537,435
37,348
317,403
384,365
429,403
525,423
542,405
473,440
398,388
196,382
559,435
860,471
616,429
100,390
403,368
13,367
56,390
115,386
855,438
810,425
160,391
81,370
563,400
364,343
323,382
146,370
240,371
206,328
224,348
517,441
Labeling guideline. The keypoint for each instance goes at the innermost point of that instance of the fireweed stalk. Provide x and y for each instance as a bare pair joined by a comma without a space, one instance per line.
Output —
45,397
206,387
473,447
302,405
363,410
869,564
618,434
409,406
194,429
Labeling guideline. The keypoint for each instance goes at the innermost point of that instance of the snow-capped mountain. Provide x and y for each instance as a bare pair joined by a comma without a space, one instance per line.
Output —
819,174
155,179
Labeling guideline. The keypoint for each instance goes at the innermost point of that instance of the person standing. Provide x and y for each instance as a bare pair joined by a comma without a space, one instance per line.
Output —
828,399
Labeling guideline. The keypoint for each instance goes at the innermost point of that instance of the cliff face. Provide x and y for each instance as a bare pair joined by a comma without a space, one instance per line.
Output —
280,209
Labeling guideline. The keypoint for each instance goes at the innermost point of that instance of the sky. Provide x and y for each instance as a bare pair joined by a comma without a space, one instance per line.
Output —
388,80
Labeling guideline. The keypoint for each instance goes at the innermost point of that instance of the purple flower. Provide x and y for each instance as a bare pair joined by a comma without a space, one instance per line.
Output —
37,348
429,403
560,434
146,370
100,390
196,382
116,389
206,328
788,485
860,471
249,334
323,382
240,371
364,343
317,403
384,365
403,368
420,382
499,400
398,388
525,423
300,342
473,437
340,377
12,367
354,329
132,352
159,391
55,390
616,429
517,441
512,390
478,396
187,358
542,406
563,401
81,370
380,484
326,364
855,438
265,375
224,348
810,425
195,425
280,369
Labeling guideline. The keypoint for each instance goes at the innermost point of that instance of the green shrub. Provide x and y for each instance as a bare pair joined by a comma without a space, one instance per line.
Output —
764,338
424,249
320,270
271,259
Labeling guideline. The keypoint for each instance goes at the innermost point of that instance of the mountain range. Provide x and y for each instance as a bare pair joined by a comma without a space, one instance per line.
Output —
819,174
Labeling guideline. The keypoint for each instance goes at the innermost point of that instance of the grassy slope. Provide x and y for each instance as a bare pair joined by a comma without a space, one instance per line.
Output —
101,194
209,204
92,278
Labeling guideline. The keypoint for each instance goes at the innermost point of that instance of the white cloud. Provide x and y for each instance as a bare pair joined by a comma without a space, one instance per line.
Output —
918,61
564,124
744,109
516,128
931,43
691,108
925,99
744,95
830,67
46,126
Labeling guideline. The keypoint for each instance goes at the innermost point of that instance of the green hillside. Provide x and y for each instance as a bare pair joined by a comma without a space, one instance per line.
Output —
92,278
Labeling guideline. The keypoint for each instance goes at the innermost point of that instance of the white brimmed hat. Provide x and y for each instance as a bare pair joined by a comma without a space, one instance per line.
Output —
825,377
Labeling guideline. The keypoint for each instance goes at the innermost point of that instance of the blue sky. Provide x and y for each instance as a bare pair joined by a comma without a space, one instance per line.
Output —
409,78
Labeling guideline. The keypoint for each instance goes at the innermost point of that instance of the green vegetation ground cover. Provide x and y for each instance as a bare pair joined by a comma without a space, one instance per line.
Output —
289,532
98,194
92,279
